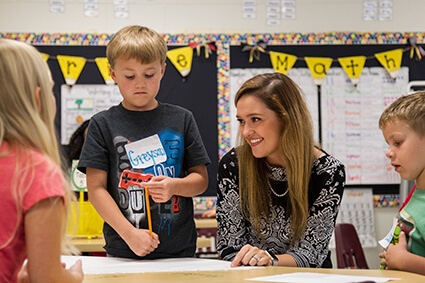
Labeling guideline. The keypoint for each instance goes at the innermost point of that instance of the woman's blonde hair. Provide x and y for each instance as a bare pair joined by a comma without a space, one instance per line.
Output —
281,95
138,42
27,122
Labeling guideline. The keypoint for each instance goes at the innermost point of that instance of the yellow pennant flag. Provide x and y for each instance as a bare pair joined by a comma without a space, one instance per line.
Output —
103,65
353,66
71,67
318,67
181,58
391,60
45,56
282,62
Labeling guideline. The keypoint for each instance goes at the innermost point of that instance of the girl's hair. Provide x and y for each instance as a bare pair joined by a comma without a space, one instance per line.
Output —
27,122
281,95
409,109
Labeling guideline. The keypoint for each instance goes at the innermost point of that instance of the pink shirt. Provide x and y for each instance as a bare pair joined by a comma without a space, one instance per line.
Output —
44,183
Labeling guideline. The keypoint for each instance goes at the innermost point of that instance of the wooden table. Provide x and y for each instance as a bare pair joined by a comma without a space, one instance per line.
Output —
231,276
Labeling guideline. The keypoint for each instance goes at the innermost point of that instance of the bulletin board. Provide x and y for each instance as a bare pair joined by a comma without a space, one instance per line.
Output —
229,55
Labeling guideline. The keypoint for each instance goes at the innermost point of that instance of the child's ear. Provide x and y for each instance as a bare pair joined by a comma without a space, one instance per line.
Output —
37,98
111,71
163,70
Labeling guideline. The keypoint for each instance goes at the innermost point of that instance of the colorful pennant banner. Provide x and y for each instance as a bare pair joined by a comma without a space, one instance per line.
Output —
353,66
181,58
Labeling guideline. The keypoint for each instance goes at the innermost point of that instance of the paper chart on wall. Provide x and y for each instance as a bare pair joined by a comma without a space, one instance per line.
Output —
300,76
357,208
350,117
81,102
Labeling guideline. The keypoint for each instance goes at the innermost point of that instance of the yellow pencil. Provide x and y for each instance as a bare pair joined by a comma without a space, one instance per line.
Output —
148,208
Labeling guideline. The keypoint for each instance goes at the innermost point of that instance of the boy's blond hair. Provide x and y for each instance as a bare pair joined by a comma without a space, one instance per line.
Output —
409,109
138,42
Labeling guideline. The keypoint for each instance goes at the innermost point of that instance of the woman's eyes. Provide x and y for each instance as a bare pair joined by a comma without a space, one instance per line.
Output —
253,119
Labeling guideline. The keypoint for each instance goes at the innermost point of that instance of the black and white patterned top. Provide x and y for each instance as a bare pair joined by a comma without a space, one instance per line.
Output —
234,231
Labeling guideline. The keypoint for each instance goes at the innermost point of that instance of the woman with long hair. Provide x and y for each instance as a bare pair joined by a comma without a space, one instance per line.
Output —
277,193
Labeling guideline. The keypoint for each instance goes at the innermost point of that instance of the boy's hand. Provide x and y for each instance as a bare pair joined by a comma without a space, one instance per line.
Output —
141,243
160,188
395,253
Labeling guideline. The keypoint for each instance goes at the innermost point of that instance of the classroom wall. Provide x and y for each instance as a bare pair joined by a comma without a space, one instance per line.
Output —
205,16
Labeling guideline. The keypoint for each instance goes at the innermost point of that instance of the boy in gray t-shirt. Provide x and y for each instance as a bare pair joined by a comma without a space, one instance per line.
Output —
143,136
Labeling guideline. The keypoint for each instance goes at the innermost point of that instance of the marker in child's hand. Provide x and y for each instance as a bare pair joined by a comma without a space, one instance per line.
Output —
394,241
148,208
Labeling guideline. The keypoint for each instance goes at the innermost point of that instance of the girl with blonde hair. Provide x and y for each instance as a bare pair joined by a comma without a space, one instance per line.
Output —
277,194
34,201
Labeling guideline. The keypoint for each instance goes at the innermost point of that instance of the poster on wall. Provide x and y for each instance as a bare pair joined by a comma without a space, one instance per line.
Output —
350,117
81,102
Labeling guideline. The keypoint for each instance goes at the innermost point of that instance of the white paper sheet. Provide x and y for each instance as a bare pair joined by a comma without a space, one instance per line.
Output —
308,277
104,265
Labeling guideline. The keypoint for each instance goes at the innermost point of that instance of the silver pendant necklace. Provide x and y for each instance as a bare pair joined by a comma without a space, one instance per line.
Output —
276,194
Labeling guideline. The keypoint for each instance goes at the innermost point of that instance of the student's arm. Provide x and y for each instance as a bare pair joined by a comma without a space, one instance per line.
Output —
139,240
162,188
44,250
398,257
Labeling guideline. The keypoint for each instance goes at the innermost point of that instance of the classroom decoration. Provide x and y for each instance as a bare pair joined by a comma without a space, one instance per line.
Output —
391,61
353,66
223,42
71,67
45,56
181,58
318,67
415,49
254,50
208,47
282,62
103,65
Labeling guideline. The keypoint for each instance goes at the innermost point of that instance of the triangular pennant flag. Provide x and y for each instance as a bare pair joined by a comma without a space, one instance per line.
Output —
181,58
71,67
318,67
391,60
353,66
103,65
45,56
282,62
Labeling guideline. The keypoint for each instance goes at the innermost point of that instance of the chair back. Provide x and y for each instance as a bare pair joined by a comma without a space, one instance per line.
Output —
349,251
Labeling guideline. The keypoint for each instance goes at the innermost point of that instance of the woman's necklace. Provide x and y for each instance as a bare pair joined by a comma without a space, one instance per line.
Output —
276,194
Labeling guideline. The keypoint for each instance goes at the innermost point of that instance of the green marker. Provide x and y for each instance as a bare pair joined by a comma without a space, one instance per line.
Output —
394,241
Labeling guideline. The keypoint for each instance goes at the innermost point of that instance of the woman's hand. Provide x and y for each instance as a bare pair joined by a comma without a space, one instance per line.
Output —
251,256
